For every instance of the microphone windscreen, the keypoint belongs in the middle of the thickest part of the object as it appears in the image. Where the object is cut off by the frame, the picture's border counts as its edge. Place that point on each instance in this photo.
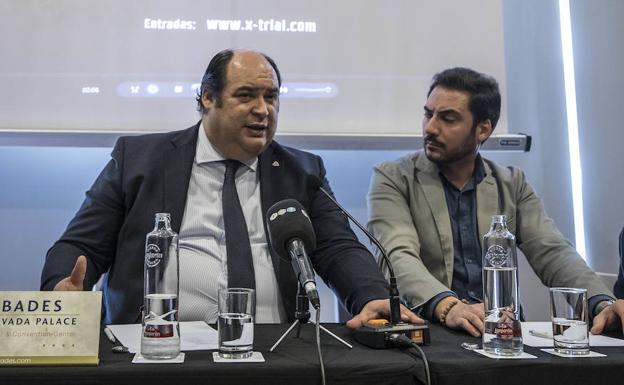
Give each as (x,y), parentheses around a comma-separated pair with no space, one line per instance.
(287,219)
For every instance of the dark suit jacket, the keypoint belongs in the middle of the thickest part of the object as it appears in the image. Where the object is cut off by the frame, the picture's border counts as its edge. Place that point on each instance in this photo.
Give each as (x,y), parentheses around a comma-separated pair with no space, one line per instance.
(618,288)
(149,174)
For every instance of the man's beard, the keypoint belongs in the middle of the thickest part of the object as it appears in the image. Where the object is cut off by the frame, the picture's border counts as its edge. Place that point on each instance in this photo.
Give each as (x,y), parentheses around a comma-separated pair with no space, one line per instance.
(467,148)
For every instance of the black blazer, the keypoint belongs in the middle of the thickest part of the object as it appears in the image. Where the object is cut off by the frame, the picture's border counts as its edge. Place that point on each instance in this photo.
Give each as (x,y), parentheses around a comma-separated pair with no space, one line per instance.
(149,174)
(618,288)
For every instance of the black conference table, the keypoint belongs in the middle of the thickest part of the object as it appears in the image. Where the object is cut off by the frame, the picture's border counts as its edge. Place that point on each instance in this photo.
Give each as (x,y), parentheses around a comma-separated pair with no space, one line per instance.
(295,362)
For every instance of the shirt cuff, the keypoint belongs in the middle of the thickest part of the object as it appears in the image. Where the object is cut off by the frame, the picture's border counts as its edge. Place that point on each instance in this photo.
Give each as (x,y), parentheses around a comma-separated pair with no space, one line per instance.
(594,301)
(428,310)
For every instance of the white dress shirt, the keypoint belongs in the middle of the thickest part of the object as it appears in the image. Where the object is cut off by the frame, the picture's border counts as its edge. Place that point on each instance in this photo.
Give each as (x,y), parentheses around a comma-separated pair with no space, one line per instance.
(203,257)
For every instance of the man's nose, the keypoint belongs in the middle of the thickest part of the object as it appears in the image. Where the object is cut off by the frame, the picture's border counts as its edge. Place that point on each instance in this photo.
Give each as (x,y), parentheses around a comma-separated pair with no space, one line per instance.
(260,107)
(430,126)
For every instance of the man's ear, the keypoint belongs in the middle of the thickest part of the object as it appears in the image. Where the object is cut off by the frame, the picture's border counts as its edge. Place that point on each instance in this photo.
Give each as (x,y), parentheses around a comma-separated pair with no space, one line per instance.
(206,101)
(484,130)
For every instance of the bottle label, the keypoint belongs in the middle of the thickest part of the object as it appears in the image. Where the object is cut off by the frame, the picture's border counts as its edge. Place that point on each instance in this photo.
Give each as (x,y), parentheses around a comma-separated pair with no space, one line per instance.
(158,331)
(496,255)
(153,256)
(504,330)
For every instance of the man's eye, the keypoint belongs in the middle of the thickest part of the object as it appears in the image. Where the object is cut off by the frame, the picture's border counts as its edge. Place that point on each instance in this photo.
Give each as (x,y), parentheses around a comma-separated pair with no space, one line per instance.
(245,97)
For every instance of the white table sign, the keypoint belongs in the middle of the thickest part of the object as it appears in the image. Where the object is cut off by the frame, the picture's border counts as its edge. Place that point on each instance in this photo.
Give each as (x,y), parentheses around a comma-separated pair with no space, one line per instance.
(49,328)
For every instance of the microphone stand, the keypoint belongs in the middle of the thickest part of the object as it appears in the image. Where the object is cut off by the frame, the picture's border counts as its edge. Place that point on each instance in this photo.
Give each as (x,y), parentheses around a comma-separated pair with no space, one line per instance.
(395,300)
(380,337)
(302,316)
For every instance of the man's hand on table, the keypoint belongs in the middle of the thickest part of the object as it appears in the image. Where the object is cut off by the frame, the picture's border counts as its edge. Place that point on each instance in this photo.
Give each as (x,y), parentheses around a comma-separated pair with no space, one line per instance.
(380,308)
(612,316)
(462,316)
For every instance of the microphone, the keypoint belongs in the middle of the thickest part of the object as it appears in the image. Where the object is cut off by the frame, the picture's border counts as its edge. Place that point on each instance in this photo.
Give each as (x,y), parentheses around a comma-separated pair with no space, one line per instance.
(378,334)
(291,234)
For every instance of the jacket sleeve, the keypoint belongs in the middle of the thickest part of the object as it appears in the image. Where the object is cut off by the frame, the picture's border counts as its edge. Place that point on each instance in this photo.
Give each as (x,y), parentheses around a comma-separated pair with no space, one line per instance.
(340,259)
(390,220)
(93,230)
(549,253)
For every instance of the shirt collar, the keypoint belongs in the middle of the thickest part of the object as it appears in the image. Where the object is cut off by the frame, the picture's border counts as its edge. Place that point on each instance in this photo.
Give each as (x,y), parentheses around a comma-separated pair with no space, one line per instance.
(205,152)
(478,175)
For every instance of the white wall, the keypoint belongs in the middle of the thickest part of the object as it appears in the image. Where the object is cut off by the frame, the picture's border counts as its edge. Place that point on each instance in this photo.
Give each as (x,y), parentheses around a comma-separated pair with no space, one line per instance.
(598,32)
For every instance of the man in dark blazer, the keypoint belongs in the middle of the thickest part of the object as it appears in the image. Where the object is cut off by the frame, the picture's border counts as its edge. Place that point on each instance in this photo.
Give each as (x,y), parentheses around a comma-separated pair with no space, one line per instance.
(147,174)
(618,288)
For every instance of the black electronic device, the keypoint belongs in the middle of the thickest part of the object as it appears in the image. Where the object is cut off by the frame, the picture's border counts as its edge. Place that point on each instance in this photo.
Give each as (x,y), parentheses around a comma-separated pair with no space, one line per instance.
(384,335)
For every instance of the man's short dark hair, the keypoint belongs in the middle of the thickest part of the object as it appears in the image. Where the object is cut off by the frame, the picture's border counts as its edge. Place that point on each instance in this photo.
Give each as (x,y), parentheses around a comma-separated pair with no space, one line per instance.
(215,77)
(484,96)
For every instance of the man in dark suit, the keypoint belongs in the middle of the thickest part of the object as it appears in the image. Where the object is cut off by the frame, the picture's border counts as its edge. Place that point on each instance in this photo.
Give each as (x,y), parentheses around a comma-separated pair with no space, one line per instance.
(182,173)
(618,288)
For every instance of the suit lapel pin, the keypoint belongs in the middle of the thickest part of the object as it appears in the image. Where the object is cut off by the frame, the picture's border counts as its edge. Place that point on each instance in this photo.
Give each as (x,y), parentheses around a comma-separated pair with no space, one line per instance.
(275,163)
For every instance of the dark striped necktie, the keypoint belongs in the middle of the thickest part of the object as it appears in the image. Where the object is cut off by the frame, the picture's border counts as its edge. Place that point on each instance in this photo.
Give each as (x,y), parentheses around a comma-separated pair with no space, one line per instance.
(239,259)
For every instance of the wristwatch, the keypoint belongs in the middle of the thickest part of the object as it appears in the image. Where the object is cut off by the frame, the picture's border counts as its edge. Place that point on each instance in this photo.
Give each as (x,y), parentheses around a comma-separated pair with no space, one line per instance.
(602,305)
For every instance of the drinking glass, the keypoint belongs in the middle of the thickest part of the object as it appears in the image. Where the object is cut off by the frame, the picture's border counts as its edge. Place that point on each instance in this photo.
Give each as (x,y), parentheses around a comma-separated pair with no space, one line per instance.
(568,307)
(236,322)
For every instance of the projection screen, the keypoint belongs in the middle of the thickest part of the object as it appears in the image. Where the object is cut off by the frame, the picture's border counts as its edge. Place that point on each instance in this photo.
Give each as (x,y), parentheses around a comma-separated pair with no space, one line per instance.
(350,68)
